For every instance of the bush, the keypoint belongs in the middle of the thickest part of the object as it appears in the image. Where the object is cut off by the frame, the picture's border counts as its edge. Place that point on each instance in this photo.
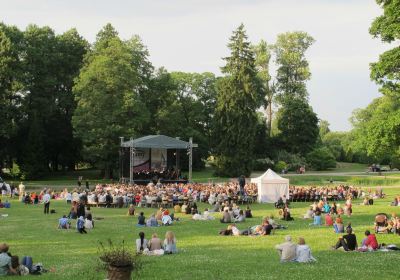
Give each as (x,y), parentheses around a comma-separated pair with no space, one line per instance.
(263,164)
(321,159)
(294,161)
(395,162)
(280,165)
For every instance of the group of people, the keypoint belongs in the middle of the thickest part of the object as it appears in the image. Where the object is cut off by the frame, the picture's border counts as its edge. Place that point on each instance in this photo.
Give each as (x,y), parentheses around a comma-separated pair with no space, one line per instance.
(314,193)
(10,264)
(291,252)
(155,246)
(162,217)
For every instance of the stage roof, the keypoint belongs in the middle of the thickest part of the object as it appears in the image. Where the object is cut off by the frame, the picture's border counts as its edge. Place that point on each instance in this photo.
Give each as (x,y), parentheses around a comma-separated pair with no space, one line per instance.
(157,141)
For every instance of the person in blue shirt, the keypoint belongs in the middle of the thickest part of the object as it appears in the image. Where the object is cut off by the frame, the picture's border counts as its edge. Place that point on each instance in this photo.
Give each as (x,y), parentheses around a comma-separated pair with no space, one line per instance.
(63,223)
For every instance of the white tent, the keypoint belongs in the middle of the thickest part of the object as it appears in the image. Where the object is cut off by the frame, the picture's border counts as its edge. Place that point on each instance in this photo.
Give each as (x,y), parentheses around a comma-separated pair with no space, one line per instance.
(271,186)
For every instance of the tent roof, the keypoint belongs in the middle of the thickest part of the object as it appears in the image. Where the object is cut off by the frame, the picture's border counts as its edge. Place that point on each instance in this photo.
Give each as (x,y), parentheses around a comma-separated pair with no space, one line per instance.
(270,177)
(157,141)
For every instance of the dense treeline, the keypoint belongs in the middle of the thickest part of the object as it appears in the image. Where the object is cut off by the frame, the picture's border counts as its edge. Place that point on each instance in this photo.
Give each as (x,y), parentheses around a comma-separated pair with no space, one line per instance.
(64,101)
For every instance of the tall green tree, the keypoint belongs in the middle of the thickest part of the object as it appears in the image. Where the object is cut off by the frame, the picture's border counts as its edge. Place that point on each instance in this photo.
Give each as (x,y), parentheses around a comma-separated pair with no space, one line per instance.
(108,102)
(293,69)
(11,41)
(386,71)
(263,56)
(298,126)
(238,98)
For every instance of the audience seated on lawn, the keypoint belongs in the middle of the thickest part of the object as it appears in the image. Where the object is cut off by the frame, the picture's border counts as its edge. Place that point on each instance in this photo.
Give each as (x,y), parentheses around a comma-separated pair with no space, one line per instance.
(369,243)
(303,252)
(328,220)
(338,225)
(141,243)
(170,243)
(64,223)
(141,220)
(226,217)
(348,241)
(155,245)
(317,219)
(286,250)
(152,221)
(5,261)
(309,214)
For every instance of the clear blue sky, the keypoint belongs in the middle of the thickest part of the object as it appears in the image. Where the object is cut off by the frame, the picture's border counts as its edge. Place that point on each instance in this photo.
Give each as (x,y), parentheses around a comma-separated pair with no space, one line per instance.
(191,35)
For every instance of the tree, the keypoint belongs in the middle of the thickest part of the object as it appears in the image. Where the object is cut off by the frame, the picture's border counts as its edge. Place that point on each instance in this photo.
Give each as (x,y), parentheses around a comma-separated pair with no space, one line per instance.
(386,72)
(108,103)
(238,97)
(321,159)
(11,40)
(293,70)
(323,128)
(298,126)
(262,59)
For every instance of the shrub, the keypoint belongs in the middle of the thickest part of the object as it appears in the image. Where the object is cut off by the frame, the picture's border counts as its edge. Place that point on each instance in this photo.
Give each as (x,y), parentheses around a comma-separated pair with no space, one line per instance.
(280,165)
(321,159)
(294,161)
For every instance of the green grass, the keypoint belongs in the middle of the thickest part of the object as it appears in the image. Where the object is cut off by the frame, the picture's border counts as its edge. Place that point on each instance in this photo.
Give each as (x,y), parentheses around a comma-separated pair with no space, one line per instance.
(321,180)
(203,253)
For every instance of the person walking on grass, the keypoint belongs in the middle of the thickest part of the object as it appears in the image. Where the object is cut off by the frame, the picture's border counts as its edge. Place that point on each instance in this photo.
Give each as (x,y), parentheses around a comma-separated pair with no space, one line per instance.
(80,225)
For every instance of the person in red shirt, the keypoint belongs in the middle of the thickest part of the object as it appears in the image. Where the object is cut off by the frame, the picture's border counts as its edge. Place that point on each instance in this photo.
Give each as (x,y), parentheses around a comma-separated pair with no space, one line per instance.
(370,241)
(328,220)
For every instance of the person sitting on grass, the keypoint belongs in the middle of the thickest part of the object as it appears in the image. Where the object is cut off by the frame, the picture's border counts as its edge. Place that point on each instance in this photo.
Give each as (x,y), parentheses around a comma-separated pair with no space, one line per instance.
(369,243)
(141,220)
(338,225)
(328,220)
(5,261)
(155,246)
(166,220)
(141,243)
(170,243)
(64,223)
(303,252)
(286,250)
(131,210)
(347,241)
(20,269)
(80,225)
(226,218)
(239,218)
(317,219)
(309,214)
(248,213)
(286,213)
(152,221)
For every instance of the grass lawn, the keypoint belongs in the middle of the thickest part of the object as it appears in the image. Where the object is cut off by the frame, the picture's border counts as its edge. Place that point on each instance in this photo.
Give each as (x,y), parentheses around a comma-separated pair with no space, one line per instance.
(203,253)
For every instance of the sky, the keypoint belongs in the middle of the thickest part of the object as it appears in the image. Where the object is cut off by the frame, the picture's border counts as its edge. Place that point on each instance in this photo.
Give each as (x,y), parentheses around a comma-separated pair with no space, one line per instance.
(192,36)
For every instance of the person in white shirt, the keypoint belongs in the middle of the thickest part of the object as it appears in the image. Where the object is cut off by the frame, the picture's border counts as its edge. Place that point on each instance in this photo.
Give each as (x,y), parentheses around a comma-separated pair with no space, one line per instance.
(46,202)
(68,197)
(21,191)
(303,252)
(166,220)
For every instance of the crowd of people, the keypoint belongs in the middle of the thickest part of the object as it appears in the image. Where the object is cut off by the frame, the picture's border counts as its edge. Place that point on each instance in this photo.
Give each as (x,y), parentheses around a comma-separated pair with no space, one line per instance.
(230,200)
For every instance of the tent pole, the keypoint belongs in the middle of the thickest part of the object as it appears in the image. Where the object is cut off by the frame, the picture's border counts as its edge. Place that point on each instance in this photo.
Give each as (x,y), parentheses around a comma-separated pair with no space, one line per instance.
(131,162)
(190,158)
(121,159)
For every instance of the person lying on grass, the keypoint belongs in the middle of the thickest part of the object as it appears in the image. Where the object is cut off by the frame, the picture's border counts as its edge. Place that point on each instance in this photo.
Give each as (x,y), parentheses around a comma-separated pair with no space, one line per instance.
(348,241)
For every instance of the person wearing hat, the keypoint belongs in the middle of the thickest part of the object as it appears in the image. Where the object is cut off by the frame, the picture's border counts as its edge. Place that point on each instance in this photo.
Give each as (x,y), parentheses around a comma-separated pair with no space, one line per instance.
(287,250)
(5,261)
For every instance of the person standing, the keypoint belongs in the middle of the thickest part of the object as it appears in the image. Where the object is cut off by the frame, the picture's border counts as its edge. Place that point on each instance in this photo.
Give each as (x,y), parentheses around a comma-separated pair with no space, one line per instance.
(46,202)
(242,183)
(21,188)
